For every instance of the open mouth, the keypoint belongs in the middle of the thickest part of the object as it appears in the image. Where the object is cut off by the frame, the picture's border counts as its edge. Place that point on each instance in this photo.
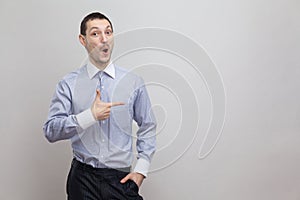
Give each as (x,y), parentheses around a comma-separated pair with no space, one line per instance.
(105,49)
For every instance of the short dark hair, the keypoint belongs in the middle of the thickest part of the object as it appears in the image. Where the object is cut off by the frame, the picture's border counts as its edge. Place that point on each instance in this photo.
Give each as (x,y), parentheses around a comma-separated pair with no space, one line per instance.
(92,16)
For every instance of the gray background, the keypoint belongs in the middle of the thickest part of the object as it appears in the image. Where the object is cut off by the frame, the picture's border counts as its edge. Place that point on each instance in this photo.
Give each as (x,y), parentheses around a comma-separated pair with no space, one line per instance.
(255,45)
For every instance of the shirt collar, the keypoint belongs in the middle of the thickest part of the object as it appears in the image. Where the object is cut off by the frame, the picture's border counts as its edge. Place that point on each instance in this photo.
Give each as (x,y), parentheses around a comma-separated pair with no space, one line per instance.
(93,70)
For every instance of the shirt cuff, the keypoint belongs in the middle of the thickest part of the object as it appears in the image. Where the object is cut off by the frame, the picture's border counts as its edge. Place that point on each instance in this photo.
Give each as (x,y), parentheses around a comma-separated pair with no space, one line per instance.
(142,166)
(85,119)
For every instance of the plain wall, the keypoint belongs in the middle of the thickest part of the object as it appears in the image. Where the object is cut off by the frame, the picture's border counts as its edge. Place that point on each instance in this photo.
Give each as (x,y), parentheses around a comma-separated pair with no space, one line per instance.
(255,47)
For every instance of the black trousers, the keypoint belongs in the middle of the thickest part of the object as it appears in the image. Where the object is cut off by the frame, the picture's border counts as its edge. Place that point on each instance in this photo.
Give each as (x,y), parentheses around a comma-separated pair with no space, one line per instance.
(87,183)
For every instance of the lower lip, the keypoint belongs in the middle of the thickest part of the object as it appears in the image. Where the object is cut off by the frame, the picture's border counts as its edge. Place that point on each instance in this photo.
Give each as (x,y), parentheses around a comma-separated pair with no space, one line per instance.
(105,53)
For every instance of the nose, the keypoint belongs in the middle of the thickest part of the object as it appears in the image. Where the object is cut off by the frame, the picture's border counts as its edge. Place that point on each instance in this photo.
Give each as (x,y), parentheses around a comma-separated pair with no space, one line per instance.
(104,38)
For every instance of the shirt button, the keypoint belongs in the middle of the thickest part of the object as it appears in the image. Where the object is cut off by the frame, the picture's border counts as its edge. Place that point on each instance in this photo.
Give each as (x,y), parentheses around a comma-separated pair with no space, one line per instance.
(102,156)
(102,86)
(103,140)
(103,122)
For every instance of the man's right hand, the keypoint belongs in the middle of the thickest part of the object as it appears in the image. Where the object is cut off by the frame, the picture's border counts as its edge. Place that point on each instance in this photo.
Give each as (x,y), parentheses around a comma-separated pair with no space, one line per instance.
(100,109)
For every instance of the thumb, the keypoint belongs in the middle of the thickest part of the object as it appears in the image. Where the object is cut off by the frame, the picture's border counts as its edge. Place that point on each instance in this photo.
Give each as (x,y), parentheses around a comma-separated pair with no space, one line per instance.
(125,179)
(98,95)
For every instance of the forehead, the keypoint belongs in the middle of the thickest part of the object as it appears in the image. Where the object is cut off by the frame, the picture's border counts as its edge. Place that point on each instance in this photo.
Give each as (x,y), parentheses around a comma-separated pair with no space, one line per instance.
(101,24)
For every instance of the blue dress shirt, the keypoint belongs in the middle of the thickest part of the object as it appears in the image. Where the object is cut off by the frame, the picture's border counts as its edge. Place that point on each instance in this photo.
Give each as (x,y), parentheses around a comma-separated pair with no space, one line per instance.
(106,143)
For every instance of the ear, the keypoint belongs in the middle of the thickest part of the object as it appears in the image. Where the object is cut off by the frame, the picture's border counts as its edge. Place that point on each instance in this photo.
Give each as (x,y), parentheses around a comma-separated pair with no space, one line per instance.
(82,40)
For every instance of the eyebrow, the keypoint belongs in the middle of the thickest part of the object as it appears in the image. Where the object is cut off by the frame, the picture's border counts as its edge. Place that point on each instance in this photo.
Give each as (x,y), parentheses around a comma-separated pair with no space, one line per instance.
(94,27)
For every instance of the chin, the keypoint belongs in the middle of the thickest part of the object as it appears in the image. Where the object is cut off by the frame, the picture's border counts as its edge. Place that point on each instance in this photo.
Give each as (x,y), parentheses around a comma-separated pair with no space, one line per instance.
(105,60)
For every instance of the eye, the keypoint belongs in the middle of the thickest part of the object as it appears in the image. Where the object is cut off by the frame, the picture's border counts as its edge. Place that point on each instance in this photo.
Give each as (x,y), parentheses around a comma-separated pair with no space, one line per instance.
(108,32)
(95,34)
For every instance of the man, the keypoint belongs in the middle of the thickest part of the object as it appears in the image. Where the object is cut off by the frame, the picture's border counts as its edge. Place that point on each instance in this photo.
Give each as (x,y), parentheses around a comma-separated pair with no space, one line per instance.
(94,107)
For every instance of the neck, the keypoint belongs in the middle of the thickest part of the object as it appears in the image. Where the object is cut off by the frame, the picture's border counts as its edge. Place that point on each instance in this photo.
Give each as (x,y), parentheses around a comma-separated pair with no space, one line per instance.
(101,66)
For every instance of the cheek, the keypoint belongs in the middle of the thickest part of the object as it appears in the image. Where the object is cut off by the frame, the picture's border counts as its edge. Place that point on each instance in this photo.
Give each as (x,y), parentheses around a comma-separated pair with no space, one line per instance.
(111,42)
(91,45)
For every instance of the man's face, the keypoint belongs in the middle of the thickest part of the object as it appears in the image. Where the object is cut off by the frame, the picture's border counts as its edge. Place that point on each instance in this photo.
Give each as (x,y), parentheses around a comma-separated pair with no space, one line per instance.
(98,41)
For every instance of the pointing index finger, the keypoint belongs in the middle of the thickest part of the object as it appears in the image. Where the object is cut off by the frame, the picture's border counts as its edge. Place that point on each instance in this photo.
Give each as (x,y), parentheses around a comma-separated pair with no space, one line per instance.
(112,104)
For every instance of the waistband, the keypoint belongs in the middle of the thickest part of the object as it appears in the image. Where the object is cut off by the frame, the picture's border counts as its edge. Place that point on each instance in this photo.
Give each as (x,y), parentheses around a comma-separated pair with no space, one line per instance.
(79,165)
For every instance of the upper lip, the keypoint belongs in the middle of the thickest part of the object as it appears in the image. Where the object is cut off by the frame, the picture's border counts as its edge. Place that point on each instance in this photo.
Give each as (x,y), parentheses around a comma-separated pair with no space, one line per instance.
(106,47)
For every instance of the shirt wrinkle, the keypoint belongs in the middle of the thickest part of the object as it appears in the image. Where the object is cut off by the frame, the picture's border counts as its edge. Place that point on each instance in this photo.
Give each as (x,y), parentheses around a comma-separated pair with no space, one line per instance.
(107,143)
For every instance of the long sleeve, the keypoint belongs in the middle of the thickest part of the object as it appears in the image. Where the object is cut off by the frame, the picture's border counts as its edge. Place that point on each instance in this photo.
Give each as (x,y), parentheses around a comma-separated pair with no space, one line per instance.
(146,140)
(107,143)
(61,123)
